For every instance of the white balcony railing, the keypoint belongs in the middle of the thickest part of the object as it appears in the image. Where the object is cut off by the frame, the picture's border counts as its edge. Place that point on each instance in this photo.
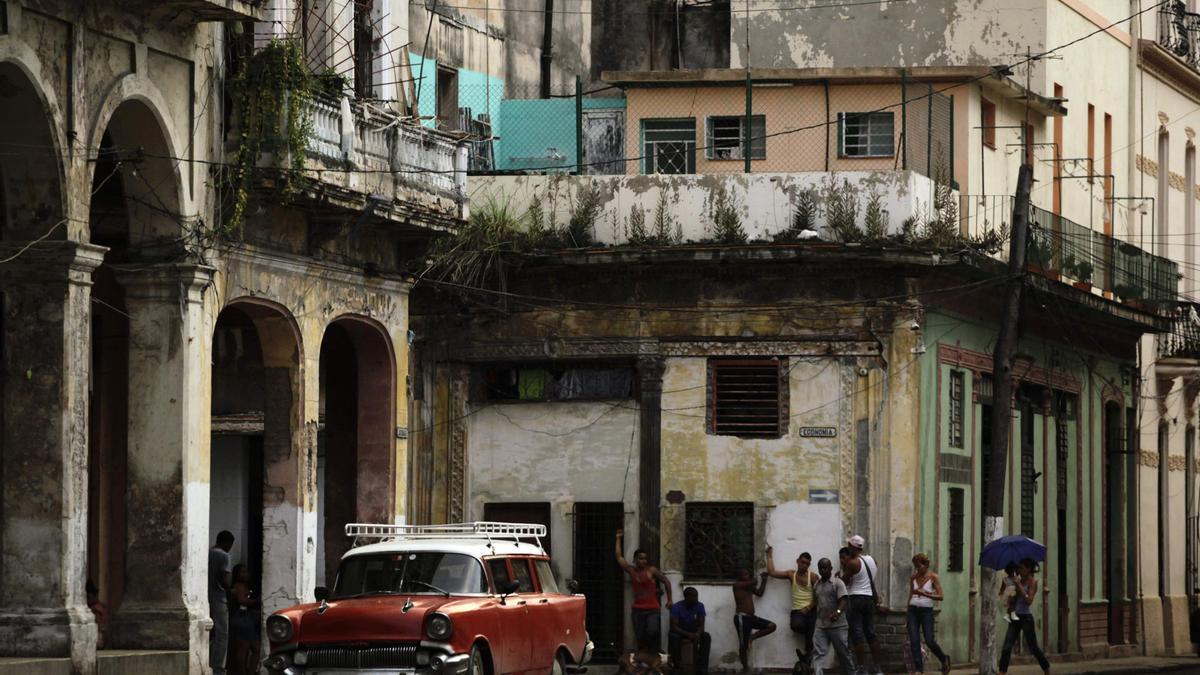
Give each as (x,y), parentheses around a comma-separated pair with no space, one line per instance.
(375,148)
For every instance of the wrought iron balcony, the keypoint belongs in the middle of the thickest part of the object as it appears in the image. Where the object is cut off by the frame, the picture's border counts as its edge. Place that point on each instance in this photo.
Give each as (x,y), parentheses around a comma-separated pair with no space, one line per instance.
(1183,340)
(1179,31)
(1063,250)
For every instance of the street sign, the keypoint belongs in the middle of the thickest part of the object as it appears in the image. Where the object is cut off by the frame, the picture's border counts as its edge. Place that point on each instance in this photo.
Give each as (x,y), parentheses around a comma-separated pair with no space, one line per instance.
(818,432)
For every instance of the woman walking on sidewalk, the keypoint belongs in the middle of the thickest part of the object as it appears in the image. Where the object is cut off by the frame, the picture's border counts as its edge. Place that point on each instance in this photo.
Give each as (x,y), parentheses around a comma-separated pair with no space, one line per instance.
(925,589)
(1027,586)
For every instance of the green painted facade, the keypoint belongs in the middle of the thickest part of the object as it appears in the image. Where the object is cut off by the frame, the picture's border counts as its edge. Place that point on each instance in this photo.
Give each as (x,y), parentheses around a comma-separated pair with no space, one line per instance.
(1058,433)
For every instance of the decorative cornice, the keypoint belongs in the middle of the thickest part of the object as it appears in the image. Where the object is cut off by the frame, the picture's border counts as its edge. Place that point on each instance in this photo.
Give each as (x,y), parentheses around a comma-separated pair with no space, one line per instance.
(1148,459)
(554,347)
(1176,463)
(1023,370)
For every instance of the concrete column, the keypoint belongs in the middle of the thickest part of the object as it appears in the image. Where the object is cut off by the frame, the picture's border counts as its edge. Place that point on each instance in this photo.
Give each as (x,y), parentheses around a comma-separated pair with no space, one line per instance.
(44,363)
(168,468)
(650,370)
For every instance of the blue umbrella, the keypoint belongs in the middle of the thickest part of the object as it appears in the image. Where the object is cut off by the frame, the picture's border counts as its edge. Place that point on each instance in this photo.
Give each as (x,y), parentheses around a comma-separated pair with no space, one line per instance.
(1011,549)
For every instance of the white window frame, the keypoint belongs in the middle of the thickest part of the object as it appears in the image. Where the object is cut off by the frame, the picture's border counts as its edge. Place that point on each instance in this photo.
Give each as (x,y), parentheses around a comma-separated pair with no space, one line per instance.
(877,125)
(757,138)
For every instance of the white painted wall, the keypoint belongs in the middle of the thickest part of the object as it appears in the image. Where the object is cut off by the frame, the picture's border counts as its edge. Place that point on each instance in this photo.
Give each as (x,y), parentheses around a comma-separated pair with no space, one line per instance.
(229,507)
(775,474)
(764,201)
(560,452)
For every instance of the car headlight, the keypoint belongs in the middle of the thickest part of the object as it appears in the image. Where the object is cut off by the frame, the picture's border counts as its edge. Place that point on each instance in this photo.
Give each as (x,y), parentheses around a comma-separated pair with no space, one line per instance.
(279,628)
(439,626)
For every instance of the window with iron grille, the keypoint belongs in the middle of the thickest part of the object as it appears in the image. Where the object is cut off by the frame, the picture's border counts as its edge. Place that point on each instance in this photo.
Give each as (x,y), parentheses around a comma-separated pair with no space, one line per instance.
(1065,406)
(669,146)
(957,392)
(866,134)
(957,521)
(725,137)
(747,397)
(719,540)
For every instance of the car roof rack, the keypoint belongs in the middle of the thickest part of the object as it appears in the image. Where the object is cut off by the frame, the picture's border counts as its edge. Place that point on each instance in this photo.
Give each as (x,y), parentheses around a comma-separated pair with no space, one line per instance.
(483,530)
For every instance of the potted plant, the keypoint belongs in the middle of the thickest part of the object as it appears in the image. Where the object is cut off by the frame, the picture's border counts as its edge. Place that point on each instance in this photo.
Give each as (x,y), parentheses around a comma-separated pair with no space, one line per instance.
(1038,258)
(1130,294)
(1083,275)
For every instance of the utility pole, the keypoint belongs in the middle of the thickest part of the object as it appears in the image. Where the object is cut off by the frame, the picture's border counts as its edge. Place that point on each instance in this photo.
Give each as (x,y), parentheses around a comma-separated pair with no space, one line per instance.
(1002,390)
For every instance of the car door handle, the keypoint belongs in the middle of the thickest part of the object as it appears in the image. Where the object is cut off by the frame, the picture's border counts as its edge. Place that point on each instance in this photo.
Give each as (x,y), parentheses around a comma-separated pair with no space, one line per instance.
(543,601)
(520,602)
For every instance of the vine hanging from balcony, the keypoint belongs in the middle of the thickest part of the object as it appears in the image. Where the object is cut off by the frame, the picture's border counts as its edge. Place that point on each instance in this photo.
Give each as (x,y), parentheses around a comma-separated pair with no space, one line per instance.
(272,91)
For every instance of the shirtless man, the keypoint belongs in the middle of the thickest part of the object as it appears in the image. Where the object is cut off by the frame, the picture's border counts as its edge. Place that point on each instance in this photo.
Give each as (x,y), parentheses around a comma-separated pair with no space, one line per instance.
(749,627)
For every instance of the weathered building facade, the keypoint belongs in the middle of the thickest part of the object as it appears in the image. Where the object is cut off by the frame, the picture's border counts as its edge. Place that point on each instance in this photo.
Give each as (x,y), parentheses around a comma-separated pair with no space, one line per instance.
(169,369)
(594,405)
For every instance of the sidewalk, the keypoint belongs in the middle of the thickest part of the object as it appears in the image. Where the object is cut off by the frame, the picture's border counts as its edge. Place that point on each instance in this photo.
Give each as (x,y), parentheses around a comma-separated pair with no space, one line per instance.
(1137,664)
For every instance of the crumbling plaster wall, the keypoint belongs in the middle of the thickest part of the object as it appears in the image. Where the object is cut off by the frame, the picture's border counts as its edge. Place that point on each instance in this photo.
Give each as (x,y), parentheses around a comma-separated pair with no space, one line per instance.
(777,475)
(925,33)
(764,202)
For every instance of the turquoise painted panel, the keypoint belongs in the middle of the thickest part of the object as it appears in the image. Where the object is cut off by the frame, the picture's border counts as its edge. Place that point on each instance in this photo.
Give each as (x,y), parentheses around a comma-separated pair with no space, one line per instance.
(540,133)
(424,71)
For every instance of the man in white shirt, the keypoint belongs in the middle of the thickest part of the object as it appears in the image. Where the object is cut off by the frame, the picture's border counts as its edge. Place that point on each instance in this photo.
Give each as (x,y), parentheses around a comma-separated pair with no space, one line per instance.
(859,570)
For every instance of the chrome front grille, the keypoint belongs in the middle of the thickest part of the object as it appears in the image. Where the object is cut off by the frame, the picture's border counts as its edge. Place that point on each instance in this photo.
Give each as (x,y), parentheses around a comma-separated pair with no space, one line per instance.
(390,656)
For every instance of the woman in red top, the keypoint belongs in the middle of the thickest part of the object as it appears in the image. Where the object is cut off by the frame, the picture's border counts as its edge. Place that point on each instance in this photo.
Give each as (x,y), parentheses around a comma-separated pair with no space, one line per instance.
(645,610)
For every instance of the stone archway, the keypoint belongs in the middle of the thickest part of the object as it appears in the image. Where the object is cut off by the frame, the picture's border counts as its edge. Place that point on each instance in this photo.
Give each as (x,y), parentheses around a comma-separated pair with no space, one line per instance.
(356,445)
(260,465)
(146,302)
(44,304)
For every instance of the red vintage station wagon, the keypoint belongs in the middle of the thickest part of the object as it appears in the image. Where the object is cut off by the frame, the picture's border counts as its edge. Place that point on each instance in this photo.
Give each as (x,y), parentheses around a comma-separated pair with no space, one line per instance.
(474,598)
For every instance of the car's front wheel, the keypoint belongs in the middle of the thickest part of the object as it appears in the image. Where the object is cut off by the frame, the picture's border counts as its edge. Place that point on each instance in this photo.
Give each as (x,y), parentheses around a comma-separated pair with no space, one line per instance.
(559,667)
(478,661)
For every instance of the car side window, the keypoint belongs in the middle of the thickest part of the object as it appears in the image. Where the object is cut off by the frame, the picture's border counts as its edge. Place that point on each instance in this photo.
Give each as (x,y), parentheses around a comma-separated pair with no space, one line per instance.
(499,568)
(546,576)
(522,574)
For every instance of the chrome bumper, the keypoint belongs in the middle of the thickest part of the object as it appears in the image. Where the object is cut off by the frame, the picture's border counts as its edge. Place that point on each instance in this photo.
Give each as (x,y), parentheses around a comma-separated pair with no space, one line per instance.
(285,664)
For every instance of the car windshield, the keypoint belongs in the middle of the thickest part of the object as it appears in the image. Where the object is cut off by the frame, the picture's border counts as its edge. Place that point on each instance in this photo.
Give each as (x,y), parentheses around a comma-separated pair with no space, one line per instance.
(424,573)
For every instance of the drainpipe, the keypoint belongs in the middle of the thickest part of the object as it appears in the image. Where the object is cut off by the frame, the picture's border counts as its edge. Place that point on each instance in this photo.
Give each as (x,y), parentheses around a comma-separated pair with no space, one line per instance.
(547,46)
(1135,125)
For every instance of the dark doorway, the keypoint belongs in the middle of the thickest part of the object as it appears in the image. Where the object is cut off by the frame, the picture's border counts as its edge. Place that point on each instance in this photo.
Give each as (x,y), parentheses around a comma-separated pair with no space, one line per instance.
(1113,522)
(521,512)
(447,98)
(599,576)
(1065,406)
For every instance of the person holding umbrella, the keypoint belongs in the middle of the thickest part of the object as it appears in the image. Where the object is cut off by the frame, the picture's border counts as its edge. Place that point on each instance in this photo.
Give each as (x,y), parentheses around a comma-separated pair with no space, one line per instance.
(1027,587)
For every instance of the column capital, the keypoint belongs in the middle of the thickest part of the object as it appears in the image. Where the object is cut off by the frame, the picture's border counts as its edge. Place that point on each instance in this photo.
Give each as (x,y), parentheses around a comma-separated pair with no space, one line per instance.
(49,261)
(164,281)
(650,370)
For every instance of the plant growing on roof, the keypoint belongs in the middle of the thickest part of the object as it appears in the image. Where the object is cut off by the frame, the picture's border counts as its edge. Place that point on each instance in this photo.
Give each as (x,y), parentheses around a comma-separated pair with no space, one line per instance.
(876,219)
(580,228)
(666,228)
(636,226)
(272,91)
(727,224)
(942,230)
(841,211)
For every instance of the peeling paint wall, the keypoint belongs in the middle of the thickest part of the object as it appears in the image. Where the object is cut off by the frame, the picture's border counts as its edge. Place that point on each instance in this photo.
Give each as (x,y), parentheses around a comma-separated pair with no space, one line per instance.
(561,453)
(777,475)
(764,202)
(935,32)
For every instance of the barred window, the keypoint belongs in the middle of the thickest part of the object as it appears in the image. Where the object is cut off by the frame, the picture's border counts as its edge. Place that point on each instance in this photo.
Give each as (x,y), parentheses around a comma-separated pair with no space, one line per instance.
(957,520)
(719,540)
(866,134)
(726,137)
(957,392)
(746,398)
(669,146)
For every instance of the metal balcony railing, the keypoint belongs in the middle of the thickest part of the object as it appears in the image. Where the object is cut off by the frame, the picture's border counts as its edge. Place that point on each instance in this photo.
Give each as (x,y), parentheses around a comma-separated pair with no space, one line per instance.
(1183,340)
(1061,249)
(1179,31)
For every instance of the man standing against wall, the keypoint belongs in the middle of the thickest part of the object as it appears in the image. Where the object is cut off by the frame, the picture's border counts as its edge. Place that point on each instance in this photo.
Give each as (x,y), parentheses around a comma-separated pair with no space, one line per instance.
(749,626)
(859,572)
(646,612)
(220,578)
